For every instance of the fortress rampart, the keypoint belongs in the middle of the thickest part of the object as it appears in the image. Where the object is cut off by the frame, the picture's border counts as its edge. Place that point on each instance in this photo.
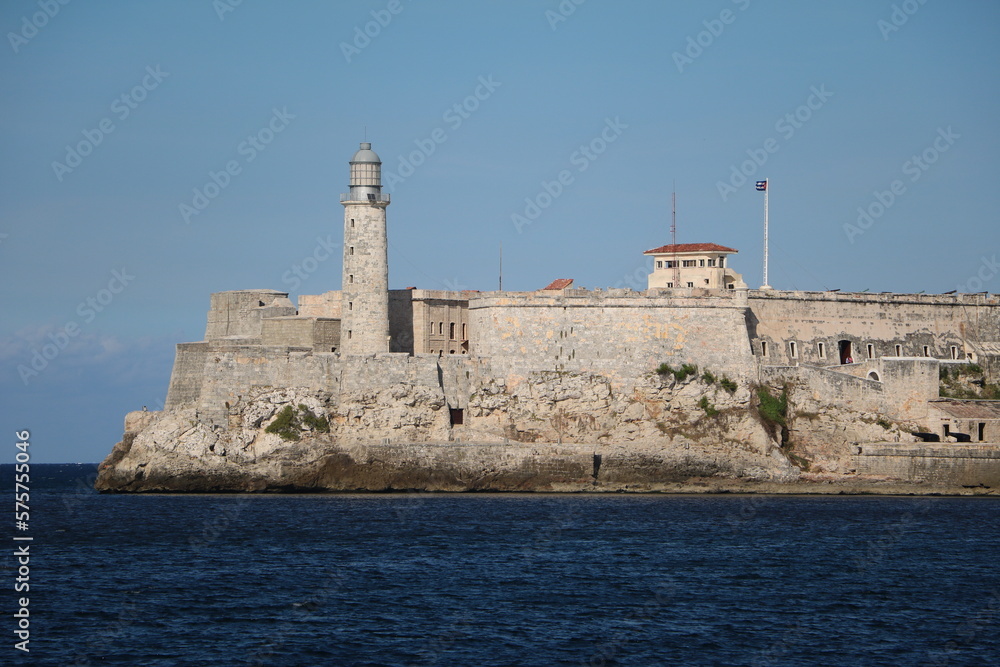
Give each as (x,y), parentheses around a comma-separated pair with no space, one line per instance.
(808,327)
(616,333)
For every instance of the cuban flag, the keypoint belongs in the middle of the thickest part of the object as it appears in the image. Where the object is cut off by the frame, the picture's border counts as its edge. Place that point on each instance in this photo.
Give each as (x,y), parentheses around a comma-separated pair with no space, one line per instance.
(761,186)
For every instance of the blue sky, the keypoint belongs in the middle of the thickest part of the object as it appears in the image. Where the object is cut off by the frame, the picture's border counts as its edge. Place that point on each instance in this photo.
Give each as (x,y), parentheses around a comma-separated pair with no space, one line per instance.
(115,113)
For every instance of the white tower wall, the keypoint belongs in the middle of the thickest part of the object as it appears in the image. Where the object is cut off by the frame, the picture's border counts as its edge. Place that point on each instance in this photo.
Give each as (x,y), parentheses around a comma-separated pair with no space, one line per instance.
(365,287)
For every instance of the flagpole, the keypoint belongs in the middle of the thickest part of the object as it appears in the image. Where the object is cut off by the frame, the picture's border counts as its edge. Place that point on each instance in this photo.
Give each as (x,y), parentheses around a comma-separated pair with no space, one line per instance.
(767,188)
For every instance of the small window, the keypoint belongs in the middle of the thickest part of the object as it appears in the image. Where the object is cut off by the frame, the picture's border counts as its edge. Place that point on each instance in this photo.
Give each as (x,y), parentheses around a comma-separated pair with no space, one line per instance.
(722,262)
(701,262)
(350,305)
(659,264)
(350,278)
(465,331)
(871,351)
(822,350)
(690,284)
(349,334)
(689,263)
(352,223)
(706,281)
(451,333)
(670,284)
(432,331)
(457,416)
(927,351)
(350,250)
(763,348)
(954,352)
(711,262)
(440,328)
(899,350)
(793,349)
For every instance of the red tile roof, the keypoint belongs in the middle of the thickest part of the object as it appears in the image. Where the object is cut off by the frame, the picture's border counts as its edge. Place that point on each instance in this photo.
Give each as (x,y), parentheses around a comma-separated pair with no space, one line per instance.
(689,247)
(559,283)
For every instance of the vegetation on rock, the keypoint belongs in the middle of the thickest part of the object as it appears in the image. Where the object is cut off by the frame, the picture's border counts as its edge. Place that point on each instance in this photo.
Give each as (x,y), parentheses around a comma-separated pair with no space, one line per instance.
(967,381)
(773,409)
(680,374)
(289,423)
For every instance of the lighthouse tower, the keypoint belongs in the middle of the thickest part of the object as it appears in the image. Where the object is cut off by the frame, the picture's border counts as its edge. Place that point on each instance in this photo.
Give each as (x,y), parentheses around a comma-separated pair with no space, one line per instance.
(364,323)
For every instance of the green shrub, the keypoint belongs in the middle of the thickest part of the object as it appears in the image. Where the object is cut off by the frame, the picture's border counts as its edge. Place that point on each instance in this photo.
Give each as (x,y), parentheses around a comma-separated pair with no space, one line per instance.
(773,409)
(290,422)
(285,424)
(707,407)
(708,378)
(685,371)
(884,423)
(728,385)
(680,374)
(320,424)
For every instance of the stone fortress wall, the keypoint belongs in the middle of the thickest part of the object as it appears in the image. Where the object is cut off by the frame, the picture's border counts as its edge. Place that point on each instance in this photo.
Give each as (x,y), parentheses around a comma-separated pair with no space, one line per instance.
(807,327)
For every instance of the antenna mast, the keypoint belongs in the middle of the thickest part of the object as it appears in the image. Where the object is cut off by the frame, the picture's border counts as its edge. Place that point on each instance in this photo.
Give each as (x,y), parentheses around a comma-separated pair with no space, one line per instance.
(673,236)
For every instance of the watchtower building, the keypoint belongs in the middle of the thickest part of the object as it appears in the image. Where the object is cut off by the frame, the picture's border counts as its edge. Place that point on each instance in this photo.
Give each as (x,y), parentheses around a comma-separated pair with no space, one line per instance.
(365,288)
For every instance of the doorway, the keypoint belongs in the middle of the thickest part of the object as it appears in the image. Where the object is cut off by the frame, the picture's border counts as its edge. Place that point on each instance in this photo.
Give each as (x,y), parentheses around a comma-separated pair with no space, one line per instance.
(845,352)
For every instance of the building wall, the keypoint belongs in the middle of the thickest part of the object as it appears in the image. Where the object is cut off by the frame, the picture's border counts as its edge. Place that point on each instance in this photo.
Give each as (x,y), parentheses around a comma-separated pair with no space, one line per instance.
(968,465)
(702,277)
(618,333)
(913,322)
(365,286)
(317,334)
(239,313)
(321,305)
(412,314)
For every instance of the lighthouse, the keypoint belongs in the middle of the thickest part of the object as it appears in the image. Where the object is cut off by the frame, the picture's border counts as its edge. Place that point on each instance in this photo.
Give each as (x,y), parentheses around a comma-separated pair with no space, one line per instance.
(364,323)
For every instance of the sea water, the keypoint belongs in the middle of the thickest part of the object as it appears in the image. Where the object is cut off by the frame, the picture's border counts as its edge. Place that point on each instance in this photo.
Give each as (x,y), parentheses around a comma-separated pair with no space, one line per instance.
(495,579)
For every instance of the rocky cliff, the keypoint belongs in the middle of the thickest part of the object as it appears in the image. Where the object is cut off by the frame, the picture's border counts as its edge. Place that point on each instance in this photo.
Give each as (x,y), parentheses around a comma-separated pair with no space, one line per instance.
(545,431)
